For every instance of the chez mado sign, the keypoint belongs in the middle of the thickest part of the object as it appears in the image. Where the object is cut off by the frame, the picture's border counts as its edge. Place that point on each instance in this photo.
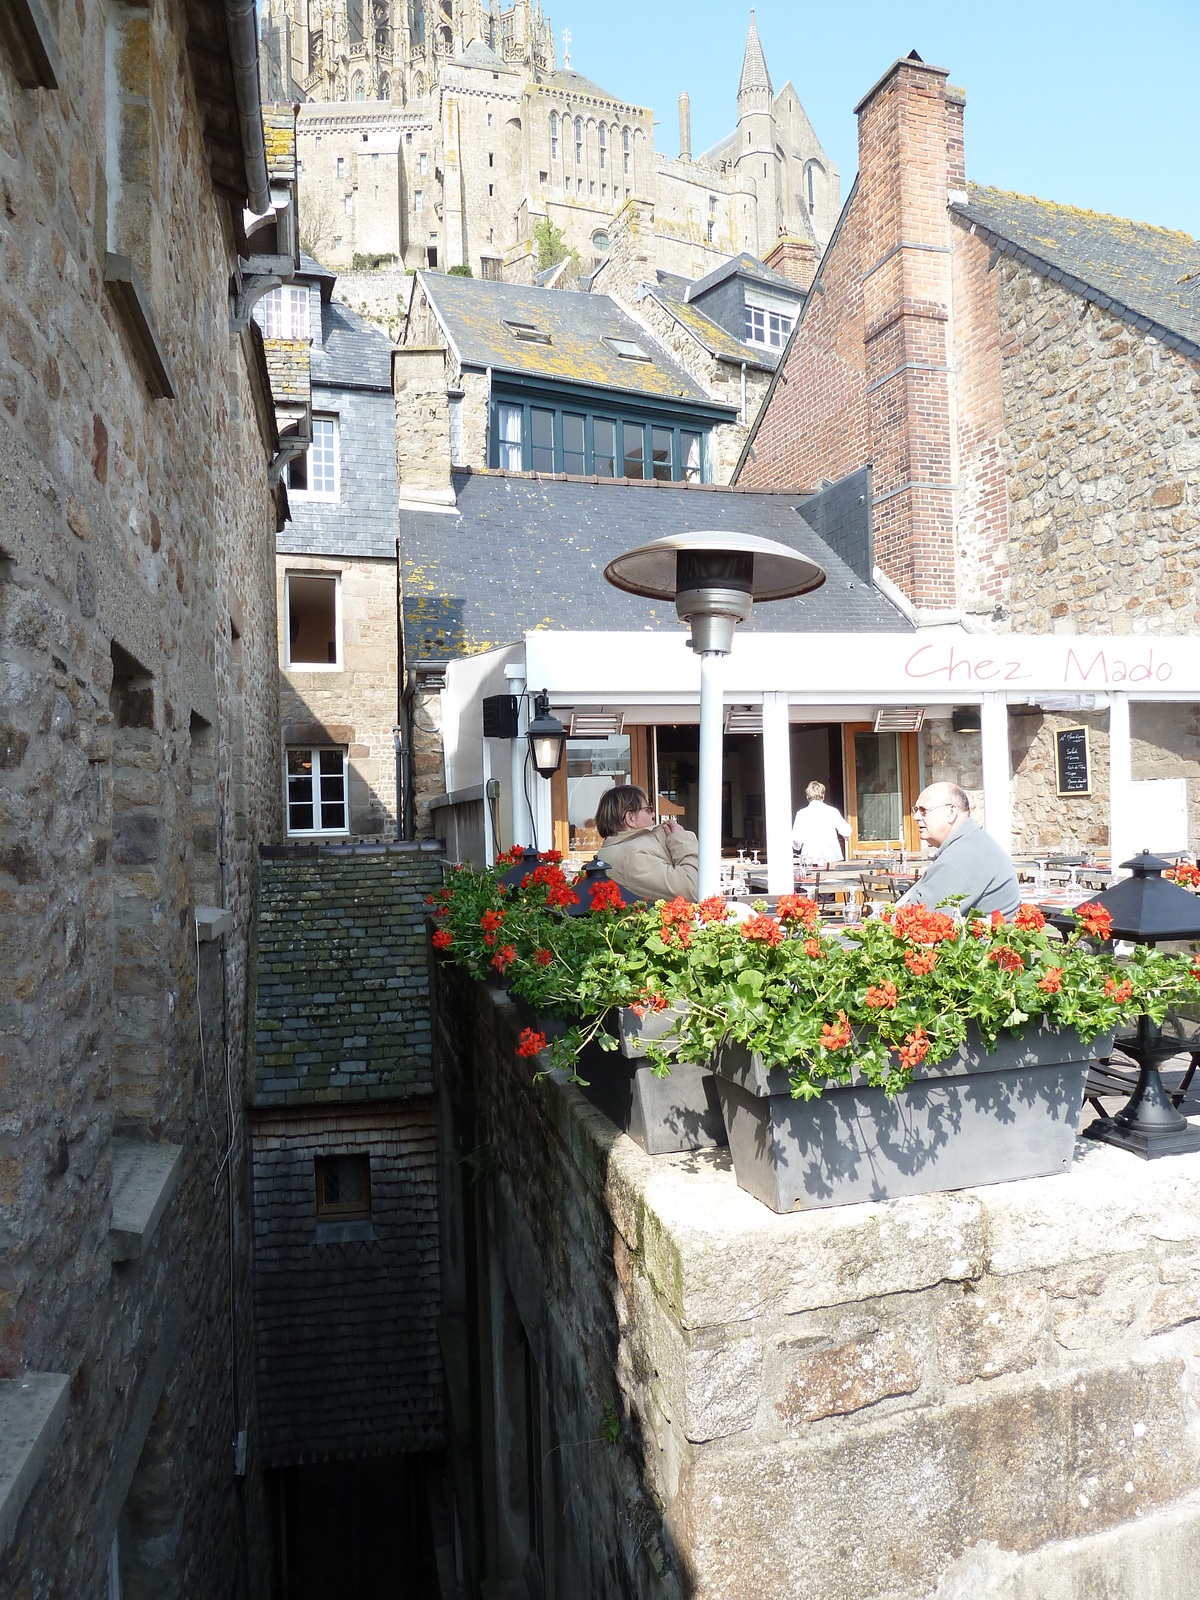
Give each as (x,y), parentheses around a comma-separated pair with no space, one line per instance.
(934,665)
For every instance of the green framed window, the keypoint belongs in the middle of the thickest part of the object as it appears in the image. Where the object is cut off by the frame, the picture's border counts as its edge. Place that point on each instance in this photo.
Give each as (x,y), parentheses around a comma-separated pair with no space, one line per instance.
(528,435)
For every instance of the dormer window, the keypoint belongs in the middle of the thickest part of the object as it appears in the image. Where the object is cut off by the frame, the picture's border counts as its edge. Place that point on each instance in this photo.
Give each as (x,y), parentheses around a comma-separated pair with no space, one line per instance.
(628,350)
(527,332)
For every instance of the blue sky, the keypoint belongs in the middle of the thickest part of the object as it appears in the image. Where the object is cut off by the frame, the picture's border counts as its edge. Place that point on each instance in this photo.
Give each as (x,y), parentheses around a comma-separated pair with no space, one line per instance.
(1094,105)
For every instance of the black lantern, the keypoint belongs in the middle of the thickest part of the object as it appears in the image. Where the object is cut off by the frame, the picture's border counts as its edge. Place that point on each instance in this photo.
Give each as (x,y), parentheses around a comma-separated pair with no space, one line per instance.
(1146,908)
(515,876)
(547,737)
(595,872)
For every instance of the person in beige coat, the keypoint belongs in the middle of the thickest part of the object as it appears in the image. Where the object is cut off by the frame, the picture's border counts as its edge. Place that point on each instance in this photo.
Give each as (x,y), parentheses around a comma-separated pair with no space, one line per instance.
(654,861)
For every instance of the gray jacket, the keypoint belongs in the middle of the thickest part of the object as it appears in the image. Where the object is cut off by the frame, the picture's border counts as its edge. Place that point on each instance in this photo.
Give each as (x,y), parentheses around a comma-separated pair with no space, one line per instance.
(972,864)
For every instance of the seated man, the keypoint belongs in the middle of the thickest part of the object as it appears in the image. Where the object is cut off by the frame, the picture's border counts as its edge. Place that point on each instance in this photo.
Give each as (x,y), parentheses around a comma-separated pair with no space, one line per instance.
(969,862)
(652,861)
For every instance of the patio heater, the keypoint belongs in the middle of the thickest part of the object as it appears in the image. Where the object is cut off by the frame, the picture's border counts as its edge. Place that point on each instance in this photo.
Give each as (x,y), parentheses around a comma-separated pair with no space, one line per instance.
(1146,908)
(714,578)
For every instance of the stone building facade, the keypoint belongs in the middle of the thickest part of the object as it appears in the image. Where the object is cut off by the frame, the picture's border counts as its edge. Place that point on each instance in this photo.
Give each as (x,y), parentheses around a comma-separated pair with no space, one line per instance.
(444,144)
(1024,378)
(137,620)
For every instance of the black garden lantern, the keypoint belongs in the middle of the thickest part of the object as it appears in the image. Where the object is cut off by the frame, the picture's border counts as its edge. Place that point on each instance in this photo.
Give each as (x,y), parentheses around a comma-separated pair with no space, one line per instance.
(516,875)
(547,737)
(1146,908)
(595,872)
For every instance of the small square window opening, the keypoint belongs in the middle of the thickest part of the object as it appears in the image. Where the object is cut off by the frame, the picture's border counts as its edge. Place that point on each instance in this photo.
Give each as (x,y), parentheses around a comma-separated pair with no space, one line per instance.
(316,791)
(343,1187)
(312,607)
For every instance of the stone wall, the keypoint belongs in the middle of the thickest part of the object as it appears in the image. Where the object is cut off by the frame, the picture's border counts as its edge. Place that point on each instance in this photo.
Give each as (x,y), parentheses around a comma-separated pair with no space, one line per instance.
(357,705)
(139,719)
(1101,448)
(381,297)
(984,1392)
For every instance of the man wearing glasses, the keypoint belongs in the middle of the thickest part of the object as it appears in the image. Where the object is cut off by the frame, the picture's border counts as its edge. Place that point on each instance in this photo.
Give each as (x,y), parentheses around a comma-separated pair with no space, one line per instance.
(969,863)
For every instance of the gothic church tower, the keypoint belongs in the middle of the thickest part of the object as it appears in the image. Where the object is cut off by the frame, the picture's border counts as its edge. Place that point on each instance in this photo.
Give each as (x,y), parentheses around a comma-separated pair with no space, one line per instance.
(755,163)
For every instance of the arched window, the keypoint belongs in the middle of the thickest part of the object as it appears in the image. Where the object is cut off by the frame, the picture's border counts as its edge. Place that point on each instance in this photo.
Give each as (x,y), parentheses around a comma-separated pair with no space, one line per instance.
(813,174)
(358,89)
(385,87)
(625,146)
(554,136)
(603,147)
(418,85)
(578,141)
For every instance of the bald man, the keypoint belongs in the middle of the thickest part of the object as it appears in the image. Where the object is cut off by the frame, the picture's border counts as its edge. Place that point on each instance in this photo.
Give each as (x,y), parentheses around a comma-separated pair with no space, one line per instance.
(968,863)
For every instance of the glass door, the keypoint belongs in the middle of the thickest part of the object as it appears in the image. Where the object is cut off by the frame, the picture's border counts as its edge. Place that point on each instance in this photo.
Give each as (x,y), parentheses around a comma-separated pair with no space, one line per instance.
(881,789)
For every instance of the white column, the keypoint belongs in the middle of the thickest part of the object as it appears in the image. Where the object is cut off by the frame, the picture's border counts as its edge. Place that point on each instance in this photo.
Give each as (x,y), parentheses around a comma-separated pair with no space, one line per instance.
(997,769)
(777,784)
(1121,820)
(518,749)
(712,736)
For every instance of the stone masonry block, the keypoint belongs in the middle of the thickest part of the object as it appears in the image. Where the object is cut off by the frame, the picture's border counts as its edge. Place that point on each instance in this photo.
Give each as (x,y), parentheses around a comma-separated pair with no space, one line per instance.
(835,1382)
(981,1335)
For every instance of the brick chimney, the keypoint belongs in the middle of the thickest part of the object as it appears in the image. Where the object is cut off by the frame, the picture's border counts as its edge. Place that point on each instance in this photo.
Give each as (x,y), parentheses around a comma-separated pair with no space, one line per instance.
(910,150)
(793,258)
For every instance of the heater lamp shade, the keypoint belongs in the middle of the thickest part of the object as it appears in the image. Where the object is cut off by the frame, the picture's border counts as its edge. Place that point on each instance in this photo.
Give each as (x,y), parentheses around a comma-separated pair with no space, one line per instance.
(1146,907)
(773,571)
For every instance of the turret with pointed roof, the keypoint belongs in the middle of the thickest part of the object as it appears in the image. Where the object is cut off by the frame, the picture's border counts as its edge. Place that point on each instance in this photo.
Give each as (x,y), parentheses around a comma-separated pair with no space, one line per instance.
(754,86)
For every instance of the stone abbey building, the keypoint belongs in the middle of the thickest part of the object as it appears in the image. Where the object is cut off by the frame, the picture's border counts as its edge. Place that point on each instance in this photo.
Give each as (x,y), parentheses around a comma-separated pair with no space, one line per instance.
(442,138)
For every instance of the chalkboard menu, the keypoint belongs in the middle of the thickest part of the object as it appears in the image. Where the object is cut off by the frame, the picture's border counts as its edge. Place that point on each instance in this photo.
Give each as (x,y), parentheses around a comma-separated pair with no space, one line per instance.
(1072,762)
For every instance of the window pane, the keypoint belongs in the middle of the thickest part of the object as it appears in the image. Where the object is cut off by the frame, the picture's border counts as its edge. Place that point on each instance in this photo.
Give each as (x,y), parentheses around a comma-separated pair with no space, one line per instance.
(298,473)
(593,765)
(634,438)
(510,437)
(333,791)
(661,443)
(312,620)
(321,457)
(756,325)
(689,449)
(604,454)
(542,427)
(300,795)
(574,458)
(877,784)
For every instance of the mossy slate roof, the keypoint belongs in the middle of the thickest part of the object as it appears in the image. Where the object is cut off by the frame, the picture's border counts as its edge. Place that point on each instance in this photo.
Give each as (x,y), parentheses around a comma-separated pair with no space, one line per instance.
(524,553)
(342,1010)
(1148,276)
(474,310)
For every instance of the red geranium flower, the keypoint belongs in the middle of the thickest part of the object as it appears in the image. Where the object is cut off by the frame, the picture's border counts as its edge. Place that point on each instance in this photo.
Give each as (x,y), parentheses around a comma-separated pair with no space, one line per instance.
(997,919)
(606,896)
(1184,874)
(713,909)
(798,908)
(442,939)
(1007,959)
(561,895)
(915,1048)
(552,856)
(762,930)
(1029,917)
(1095,920)
(649,1000)
(491,920)
(836,1035)
(675,921)
(812,947)
(490,939)
(921,962)
(1052,982)
(881,996)
(504,957)
(979,928)
(1120,992)
(923,926)
(531,1042)
(543,957)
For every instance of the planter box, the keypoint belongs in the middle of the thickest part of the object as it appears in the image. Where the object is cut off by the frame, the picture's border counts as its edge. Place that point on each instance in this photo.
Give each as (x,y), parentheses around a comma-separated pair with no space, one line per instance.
(662,1115)
(975,1119)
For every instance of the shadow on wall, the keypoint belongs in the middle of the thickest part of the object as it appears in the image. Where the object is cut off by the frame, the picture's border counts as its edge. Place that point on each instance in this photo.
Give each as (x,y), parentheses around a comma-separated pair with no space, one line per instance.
(339,776)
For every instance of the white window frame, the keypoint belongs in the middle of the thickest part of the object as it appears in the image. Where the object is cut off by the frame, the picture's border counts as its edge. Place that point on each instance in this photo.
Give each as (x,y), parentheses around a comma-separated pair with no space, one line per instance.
(505,413)
(285,312)
(778,319)
(323,495)
(315,751)
(312,666)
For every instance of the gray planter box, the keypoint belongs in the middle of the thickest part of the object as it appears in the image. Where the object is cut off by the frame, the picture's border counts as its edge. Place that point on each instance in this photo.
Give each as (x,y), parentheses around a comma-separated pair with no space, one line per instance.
(663,1115)
(975,1119)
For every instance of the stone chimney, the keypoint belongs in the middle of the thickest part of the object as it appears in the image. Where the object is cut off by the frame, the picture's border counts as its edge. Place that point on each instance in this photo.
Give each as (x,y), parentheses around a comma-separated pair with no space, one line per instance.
(910,160)
(422,424)
(685,127)
(630,258)
(793,258)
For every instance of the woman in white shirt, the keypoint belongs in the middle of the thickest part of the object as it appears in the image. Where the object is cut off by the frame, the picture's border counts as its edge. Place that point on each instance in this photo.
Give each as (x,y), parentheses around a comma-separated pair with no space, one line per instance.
(819,829)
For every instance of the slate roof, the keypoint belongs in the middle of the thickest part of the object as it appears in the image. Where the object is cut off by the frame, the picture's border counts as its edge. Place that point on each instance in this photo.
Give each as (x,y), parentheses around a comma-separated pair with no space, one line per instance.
(671,293)
(754,63)
(473,312)
(1145,275)
(523,554)
(478,54)
(571,82)
(745,266)
(354,354)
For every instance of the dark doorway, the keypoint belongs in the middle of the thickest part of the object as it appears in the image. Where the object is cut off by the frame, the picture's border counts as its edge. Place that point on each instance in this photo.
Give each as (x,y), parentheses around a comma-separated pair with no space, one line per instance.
(358,1528)
(816,749)
(743,812)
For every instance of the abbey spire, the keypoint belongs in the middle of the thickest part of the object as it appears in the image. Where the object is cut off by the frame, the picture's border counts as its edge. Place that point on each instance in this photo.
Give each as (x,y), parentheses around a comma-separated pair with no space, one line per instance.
(754,86)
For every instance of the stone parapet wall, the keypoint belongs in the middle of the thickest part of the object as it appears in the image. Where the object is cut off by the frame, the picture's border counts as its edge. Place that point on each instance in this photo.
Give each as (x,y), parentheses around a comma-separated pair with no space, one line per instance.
(1101,449)
(985,1392)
